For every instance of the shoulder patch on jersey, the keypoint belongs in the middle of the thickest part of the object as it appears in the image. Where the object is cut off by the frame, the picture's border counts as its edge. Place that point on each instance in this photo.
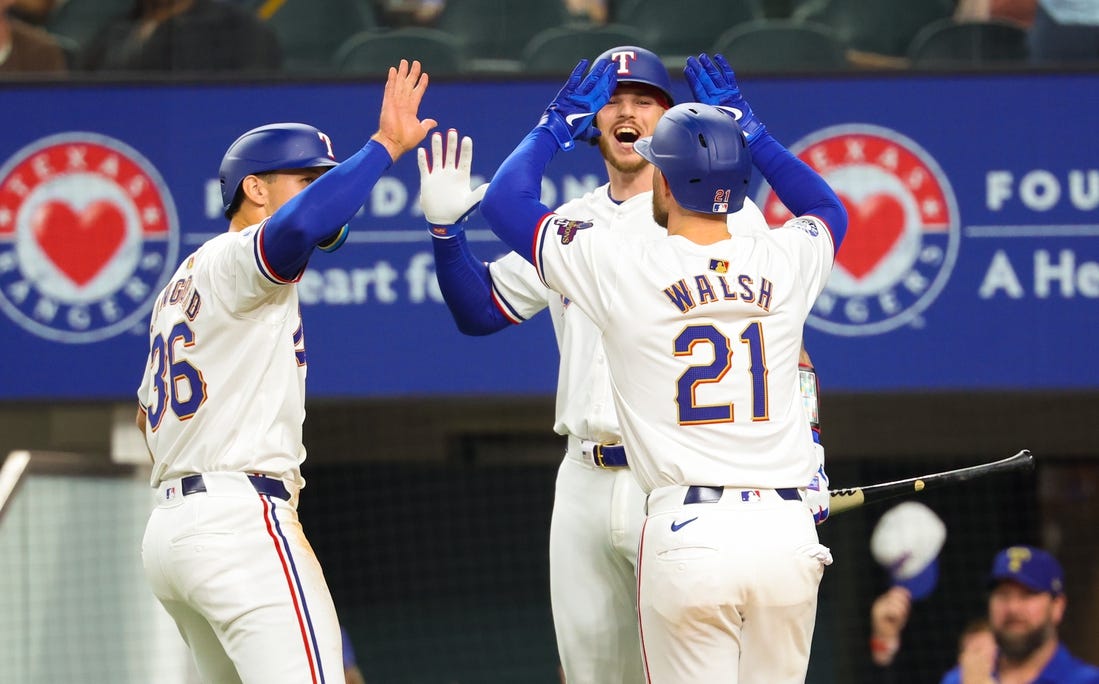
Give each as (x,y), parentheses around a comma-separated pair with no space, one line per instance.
(568,228)
(807,225)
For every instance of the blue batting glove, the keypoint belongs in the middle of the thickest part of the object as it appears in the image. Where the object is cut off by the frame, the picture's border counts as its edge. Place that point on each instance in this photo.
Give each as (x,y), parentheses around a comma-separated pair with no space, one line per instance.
(571,115)
(816,494)
(713,82)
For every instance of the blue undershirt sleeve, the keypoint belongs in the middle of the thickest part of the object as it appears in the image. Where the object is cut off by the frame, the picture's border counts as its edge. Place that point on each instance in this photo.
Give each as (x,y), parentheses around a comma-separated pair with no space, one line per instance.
(800,188)
(466,286)
(512,205)
(320,210)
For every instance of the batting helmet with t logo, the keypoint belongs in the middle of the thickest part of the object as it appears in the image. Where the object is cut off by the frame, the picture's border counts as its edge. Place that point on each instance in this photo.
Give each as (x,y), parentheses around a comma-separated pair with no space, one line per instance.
(702,154)
(638,65)
(274,147)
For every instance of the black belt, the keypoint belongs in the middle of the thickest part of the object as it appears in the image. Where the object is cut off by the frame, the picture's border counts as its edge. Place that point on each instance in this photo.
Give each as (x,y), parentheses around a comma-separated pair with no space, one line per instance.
(609,455)
(193,484)
(699,494)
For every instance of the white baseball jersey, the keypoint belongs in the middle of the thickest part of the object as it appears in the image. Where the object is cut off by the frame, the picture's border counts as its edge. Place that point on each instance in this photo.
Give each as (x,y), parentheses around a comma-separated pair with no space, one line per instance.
(224,386)
(585,408)
(224,401)
(702,344)
(597,513)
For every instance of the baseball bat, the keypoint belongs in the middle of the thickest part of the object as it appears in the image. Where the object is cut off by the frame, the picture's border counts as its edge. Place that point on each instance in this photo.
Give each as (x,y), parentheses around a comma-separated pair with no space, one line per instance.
(841,500)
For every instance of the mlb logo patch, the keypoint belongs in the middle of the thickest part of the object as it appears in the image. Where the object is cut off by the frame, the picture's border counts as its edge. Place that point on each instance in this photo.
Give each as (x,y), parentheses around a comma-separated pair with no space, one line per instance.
(721,208)
(719,265)
(169,493)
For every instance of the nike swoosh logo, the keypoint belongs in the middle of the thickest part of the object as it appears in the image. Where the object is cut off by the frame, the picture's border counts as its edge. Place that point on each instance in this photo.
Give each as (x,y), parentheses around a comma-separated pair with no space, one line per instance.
(571,118)
(737,114)
(679,526)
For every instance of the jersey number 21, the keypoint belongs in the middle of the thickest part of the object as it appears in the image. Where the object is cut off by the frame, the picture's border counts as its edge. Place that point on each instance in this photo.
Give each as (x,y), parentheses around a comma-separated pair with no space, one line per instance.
(690,412)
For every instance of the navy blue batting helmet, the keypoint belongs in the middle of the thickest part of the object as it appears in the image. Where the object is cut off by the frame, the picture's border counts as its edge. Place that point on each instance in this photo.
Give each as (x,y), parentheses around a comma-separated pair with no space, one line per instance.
(702,154)
(274,147)
(638,65)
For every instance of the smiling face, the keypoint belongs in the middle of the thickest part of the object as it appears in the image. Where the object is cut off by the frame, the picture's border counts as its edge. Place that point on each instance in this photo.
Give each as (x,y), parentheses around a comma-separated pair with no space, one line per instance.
(632,112)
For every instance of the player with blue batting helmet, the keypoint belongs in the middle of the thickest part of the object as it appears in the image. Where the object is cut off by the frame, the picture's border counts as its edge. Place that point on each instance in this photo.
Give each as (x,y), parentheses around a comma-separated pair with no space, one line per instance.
(274,147)
(702,154)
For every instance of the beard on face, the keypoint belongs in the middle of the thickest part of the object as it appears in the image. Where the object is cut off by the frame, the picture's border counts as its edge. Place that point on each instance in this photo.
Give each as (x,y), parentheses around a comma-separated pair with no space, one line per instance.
(660,212)
(632,165)
(1019,646)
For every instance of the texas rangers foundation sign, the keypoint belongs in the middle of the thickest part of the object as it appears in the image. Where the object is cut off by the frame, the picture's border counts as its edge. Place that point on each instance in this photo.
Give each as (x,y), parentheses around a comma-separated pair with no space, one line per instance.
(88,234)
(903,231)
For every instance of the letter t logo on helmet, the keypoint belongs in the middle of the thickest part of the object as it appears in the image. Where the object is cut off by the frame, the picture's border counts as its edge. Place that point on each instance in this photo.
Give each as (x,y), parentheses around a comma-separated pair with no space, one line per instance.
(638,65)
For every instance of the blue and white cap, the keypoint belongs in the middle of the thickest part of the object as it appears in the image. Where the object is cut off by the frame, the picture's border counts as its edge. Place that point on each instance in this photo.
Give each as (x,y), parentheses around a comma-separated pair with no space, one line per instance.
(906,542)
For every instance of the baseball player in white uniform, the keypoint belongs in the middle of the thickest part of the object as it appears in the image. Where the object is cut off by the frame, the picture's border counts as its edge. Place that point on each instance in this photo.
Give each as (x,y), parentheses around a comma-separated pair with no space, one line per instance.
(598,506)
(222,403)
(702,332)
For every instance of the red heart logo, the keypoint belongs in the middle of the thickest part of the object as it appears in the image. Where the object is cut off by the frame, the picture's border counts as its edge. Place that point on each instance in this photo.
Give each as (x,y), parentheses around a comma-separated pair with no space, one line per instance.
(79,244)
(873,227)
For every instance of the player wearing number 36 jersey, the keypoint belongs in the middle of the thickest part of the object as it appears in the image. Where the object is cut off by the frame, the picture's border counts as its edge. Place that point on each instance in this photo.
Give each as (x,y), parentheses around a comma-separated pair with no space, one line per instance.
(702,332)
(222,403)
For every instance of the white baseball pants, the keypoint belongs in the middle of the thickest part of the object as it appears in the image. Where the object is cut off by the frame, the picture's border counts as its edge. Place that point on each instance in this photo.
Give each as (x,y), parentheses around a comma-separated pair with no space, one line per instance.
(236,573)
(728,590)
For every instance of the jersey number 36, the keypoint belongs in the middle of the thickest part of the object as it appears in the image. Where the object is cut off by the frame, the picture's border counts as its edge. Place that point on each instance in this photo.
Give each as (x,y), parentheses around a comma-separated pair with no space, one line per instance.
(177,382)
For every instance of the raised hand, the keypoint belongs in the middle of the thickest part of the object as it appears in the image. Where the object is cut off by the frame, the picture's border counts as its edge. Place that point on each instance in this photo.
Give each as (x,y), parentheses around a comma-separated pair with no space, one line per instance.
(445,194)
(571,114)
(713,82)
(399,126)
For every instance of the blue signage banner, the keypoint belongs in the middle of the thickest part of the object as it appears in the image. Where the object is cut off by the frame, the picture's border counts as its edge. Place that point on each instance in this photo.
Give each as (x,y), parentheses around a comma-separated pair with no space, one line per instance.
(971,263)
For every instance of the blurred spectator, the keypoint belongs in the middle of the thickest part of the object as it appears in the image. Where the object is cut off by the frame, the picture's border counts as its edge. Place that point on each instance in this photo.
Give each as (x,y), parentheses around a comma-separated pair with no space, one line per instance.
(351,672)
(1020,12)
(25,48)
(1065,31)
(184,35)
(595,11)
(1025,609)
(888,616)
(34,11)
(409,12)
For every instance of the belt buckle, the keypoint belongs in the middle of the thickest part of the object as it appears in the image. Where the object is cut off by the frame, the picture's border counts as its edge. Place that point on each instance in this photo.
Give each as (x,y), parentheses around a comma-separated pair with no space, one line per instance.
(597,455)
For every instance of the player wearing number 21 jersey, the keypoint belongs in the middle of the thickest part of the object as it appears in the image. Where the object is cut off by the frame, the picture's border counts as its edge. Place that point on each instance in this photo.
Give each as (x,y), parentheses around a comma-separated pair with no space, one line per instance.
(222,403)
(702,332)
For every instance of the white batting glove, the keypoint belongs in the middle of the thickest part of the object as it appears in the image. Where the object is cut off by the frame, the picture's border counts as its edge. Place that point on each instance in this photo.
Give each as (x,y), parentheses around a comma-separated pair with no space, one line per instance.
(445,194)
(816,494)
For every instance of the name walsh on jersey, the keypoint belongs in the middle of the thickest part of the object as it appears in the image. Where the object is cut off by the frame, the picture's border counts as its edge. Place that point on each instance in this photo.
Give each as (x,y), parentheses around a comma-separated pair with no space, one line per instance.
(719,286)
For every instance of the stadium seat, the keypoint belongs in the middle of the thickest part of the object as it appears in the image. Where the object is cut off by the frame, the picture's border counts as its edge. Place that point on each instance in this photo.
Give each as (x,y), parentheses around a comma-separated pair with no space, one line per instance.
(781,45)
(557,50)
(495,32)
(676,29)
(947,43)
(876,27)
(80,20)
(309,35)
(375,51)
